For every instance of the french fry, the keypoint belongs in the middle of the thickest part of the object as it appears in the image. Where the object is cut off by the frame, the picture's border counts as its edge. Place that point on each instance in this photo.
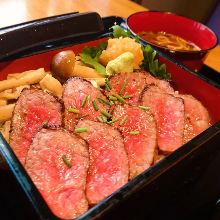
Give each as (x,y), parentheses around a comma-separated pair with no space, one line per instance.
(52,85)
(6,112)
(29,77)
(85,71)
(5,130)
(10,94)
(99,81)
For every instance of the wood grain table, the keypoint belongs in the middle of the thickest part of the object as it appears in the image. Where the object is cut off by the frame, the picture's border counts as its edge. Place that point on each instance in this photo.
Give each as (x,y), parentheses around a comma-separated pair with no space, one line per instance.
(18,11)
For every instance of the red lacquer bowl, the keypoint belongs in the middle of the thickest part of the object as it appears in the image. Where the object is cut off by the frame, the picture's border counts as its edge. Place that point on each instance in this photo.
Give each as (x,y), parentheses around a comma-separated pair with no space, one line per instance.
(186,28)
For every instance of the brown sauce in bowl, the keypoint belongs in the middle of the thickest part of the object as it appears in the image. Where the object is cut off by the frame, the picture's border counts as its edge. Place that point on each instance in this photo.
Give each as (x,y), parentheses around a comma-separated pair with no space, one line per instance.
(169,41)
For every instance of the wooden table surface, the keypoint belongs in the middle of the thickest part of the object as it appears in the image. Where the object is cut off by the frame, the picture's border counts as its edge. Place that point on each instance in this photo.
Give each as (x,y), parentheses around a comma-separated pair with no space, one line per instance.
(18,11)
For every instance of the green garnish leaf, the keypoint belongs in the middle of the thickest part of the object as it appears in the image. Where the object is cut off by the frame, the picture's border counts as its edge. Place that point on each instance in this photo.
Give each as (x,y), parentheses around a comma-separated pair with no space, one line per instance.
(66,161)
(119,32)
(74,110)
(95,106)
(95,51)
(92,62)
(135,132)
(151,64)
(124,120)
(81,130)
(106,114)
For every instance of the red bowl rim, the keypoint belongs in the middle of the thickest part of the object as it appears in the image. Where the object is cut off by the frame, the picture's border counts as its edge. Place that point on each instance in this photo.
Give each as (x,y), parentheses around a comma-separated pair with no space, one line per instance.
(165,48)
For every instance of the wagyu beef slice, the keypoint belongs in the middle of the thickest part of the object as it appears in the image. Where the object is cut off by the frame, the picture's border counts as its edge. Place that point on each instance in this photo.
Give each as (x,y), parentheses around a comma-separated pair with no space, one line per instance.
(33,110)
(140,147)
(108,169)
(57,162)
(168,112)
(76,92)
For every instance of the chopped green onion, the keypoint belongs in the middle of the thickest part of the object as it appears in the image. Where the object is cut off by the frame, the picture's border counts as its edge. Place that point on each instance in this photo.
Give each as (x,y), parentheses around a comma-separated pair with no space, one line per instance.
(112,98)
(88,99)
(123,120)
(127,96)
(83,116)
(84,101)
(112,121)
(44,124)
(111,103)
(102,119)
(108,85)
(66,161)
(135,132)
(95,106)
(144,107)
(102,101)
(123,88)
(80,130)
(106,114)
(73,110)
(120,99)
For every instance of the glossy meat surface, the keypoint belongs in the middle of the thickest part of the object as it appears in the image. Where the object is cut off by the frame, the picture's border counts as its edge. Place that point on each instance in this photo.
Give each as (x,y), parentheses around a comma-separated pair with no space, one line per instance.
(197,118)
(108,169)
(75,91)
(140,147)
(33,109)
(168,112)
(136,82)
(62,186)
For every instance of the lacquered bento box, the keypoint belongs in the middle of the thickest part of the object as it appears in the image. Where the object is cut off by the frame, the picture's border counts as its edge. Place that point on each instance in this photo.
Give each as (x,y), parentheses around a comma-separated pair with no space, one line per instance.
(182,183)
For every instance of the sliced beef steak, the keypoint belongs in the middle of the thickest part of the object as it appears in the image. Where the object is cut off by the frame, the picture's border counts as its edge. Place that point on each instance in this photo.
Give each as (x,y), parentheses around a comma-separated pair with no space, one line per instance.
(134,83)
(59,169)
(197,118)
(138,128)
(33,109)
(108,169)
(81,95)
(169,115)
